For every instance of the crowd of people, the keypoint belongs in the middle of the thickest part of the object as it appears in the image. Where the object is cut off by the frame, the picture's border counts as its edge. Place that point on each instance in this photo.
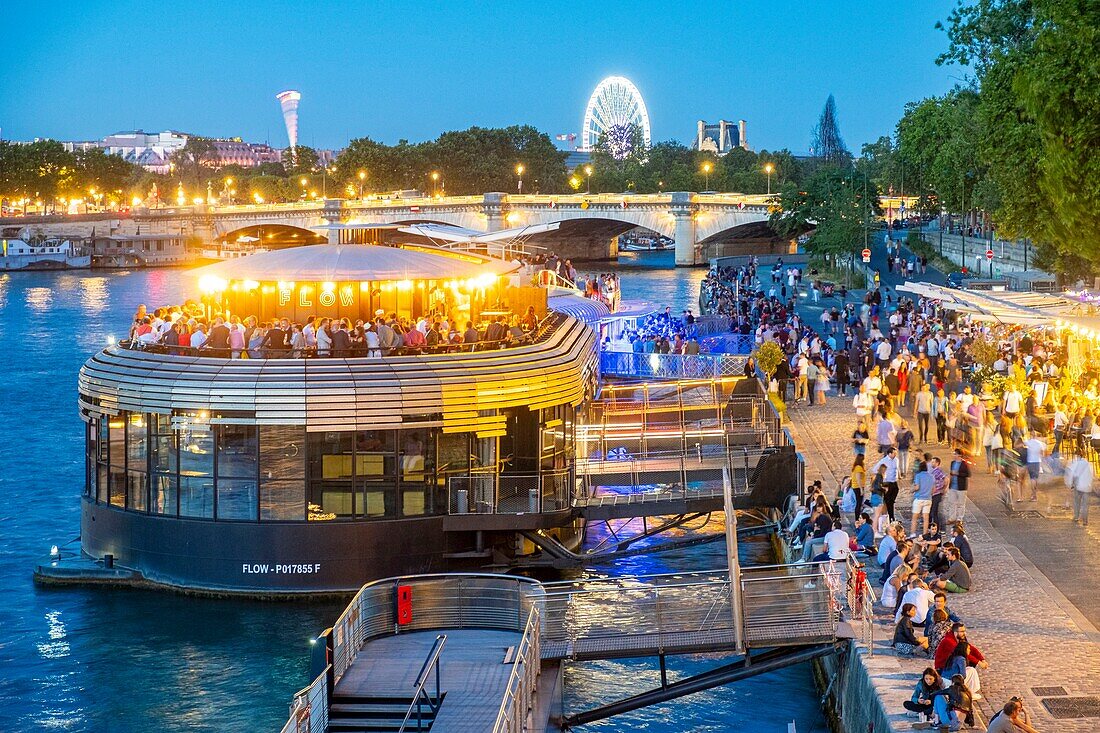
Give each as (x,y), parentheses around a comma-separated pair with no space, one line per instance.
(922,429)
(187,329)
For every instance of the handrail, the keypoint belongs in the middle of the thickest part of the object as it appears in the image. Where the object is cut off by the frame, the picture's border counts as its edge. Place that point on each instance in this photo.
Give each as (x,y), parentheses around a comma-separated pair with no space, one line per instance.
(309,707)
(860,601)
(420,696)
(544,327)
(522,684)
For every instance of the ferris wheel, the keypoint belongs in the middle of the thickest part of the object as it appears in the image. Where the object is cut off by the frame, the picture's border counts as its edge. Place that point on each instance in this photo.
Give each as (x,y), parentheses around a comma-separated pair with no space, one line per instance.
(614,109)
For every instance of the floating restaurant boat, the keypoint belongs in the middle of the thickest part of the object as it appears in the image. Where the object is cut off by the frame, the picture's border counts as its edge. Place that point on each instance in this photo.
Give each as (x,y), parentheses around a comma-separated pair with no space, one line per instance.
(275,476)
(50,254)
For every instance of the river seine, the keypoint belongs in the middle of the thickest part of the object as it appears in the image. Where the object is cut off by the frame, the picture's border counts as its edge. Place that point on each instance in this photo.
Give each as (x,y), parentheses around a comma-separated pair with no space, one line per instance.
(125,661)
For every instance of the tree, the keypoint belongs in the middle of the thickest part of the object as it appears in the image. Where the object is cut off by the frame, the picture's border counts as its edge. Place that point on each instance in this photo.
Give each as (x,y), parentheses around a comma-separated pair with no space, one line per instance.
(94,168)
(304,161)
(825,140)
(835,204)
(193,164)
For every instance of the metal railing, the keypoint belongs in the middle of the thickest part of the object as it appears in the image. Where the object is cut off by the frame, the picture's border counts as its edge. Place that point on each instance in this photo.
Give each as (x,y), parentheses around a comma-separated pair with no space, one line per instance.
(783,604)
(357,351)
(309,707)
(860,603)
(671,366)
(522,687)
(737,465)
(451,601)
(421,697)
(491,492)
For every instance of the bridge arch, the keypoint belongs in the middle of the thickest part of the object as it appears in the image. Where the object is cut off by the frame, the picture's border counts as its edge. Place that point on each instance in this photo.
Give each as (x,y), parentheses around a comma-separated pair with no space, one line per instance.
(274,234)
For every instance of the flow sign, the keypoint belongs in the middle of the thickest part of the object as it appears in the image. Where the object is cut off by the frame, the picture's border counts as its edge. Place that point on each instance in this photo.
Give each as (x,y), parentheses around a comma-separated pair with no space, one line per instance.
(866,255)
(989,254)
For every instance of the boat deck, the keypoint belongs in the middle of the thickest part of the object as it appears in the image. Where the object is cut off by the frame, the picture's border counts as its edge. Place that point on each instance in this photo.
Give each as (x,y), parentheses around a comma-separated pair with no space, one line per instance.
(474,674)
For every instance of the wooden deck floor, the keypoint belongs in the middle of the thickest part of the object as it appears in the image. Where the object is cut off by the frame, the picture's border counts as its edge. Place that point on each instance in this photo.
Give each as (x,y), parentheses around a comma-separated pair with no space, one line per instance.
(474,673)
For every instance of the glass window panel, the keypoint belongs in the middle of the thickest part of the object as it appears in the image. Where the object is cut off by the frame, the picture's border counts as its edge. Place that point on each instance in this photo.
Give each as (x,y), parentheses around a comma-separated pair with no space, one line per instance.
(375,457)
(101,483)
(136,443)
(379,499)
(90,451)
(282,500)
(282,453)
(237,498)
(196,446)
(136,492)
(163,458)
(117,450)
(237,451)
(196,496)
(163,491)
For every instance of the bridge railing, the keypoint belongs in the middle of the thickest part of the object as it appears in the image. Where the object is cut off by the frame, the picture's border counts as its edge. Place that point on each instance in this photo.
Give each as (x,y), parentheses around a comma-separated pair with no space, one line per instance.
(449,601)
(309,707)
(678,610)
(492,492)
(521,691)
(671,366)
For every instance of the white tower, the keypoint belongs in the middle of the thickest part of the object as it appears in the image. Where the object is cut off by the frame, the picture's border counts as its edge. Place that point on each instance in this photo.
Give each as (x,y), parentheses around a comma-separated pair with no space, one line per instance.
(288,100)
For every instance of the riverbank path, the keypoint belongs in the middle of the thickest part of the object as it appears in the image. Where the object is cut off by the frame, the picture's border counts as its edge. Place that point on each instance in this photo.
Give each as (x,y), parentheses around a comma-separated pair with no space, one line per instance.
(1041,645)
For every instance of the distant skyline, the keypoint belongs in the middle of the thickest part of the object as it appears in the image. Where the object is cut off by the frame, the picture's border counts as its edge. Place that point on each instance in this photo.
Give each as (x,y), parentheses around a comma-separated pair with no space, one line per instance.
(404,70)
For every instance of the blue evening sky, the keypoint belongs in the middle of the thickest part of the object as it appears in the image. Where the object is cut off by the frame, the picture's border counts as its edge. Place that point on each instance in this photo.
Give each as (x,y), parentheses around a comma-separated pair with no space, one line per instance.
(392,70)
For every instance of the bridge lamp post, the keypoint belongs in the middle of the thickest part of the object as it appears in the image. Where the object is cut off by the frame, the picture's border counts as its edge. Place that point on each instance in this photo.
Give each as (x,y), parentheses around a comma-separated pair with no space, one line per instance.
(707,167)
(305,186)
(769,168)
(435,183)
(519,172)
(227,191)
(588,179)
(362,177)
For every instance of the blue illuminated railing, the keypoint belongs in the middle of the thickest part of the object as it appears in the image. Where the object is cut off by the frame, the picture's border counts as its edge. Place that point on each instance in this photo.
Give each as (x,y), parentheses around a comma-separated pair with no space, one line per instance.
(671,366)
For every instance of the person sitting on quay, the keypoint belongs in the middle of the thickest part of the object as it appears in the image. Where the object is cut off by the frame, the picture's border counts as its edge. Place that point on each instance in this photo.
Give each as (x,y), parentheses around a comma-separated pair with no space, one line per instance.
(837,545)
(920,598)
(906,641)
(939,603)
(956,655)
(1011,718)
(930,699)
(865,535)
(956,578)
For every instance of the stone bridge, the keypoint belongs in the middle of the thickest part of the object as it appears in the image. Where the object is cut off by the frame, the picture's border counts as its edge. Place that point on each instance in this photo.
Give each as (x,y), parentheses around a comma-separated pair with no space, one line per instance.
(592,221)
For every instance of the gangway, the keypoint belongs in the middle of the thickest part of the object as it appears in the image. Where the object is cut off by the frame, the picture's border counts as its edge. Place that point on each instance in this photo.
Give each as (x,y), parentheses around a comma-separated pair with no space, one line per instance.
(502,633)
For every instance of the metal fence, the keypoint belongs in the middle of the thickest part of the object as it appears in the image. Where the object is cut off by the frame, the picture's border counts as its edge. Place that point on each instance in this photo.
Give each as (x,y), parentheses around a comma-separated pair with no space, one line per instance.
(860,603)
(782,605)
(309,708)
(522,688)
(671,366)
(489,492)
(451,601)
(734,466)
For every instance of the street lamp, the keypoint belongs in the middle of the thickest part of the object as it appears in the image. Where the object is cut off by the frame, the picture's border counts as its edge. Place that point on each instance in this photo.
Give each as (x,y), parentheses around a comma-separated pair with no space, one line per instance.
(519,172)
(228,189)
(362,177)
(588,175)
(769,168)
(707,167)
(305,186)
(435,183)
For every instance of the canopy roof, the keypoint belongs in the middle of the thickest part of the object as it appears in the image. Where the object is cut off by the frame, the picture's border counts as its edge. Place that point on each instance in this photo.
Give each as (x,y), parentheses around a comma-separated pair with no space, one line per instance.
(1028,309)
(354,263)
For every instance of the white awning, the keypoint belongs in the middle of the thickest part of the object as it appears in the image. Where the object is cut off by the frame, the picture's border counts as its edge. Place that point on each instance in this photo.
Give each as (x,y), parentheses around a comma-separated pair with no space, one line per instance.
(355,263)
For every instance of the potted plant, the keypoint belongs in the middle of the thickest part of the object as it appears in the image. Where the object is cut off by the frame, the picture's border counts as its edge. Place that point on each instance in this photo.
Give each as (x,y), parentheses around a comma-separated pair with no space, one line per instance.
(768,355)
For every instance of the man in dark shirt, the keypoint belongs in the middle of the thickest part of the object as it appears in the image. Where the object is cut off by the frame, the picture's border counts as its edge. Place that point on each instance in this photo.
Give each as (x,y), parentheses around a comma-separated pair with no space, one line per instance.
(275,341)
(341,341)
(218,340)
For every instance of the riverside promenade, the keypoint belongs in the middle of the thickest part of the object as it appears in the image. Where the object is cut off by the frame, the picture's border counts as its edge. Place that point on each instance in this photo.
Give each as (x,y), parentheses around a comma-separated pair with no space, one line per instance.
(1039,645)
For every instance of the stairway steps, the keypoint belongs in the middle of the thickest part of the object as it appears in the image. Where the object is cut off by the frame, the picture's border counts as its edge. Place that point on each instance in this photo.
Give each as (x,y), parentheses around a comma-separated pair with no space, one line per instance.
(374,714)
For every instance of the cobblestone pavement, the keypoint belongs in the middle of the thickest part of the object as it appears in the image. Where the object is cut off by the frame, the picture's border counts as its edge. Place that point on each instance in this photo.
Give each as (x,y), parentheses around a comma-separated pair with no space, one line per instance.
(1028,630)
